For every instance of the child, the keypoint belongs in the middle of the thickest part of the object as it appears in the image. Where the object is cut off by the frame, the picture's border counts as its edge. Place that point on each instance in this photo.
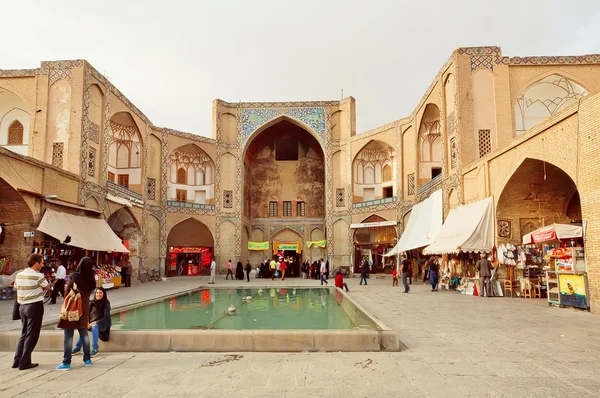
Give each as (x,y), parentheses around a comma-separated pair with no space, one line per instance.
(339,281)
(394,277)
(100,321)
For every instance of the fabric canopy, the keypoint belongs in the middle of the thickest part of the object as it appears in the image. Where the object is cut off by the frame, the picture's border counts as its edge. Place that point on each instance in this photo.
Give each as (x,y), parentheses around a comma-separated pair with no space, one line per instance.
(553,232)
(86,233)
(468,228)
(424,223)
(318,243)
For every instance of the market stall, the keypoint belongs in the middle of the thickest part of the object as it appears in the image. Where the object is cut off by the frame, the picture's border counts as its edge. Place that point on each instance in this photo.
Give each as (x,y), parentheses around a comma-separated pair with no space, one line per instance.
(558,249)
(467,231)
(67,238)
(371,241)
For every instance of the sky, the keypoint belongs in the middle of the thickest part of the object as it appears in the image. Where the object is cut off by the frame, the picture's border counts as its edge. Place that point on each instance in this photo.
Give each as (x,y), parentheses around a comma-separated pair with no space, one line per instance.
(173,58)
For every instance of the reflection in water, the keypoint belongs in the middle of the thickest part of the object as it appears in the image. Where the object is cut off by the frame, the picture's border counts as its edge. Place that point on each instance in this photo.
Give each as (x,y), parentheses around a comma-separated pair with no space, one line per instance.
(321,308)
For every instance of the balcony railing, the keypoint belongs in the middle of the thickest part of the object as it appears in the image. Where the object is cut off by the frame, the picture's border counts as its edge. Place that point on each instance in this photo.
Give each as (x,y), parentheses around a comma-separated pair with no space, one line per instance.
(429,184)
(189,205)
(374,202)
(122,191)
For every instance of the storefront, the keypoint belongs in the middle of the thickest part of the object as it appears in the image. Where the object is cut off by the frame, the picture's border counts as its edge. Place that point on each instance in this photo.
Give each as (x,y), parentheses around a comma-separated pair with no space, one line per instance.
(371,241)
(66,238)
(189,261)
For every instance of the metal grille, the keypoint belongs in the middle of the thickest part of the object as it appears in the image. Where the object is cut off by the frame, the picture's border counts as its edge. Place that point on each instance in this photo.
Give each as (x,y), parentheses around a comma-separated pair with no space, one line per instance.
(272,209)
(57,154)
(411,184)
(91,162)
(340,197)
(15,133)
(287,208)
(228,199)
(485,142)
(151,188)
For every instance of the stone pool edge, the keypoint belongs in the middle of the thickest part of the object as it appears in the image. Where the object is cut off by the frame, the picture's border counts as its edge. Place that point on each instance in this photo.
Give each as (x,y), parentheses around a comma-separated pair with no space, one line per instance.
(225,341)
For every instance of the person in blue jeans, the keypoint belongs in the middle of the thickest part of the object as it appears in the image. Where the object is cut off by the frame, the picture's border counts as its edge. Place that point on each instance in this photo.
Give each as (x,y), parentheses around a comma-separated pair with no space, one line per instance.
(100,321)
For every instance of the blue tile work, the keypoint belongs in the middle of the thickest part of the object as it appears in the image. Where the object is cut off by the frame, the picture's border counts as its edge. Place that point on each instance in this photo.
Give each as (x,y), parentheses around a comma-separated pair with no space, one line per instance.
(313,117)
(375,202)
(123,192)
(187,205)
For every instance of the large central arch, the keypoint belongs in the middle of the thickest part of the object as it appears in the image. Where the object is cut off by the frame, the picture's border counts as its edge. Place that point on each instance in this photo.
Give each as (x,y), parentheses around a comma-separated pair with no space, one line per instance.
(284,165)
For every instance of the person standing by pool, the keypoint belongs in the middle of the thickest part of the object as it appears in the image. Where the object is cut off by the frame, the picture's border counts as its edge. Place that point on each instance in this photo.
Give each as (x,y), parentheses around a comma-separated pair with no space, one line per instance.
(30,284)
(100,321)
(213,271)
(273,267)
(283,267)
(83,282)
(229,270)
(248,269)
(239,271)
(364,271)
(323,271)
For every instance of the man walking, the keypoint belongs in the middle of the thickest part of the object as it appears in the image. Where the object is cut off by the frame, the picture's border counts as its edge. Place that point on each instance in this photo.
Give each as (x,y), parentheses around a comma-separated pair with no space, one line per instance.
(272,266)
(213,272)
(59,284)
(364,271)
(405,272)
(229,270)
(323,271)
(485,272)
(30,284)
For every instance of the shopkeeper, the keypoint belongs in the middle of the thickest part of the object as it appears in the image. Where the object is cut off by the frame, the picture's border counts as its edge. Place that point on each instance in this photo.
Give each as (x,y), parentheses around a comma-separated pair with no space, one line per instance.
(59,284)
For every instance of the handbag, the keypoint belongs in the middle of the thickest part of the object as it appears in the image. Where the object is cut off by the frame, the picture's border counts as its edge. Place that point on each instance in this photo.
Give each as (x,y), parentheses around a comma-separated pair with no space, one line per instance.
(16,315)
(72,308)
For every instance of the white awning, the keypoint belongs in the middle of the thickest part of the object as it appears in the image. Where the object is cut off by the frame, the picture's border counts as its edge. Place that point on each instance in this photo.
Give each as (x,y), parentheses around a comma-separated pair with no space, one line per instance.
(423,225)
(121,201)
(468,228)
(86,233)
(374,224)
(554,232)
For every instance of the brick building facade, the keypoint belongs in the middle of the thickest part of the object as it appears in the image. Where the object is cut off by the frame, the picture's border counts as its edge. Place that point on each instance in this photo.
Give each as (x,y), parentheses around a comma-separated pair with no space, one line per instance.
(488,125)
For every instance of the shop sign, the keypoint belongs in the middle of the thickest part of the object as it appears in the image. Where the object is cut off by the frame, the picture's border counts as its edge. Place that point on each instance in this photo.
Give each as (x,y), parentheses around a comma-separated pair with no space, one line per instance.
(374,224)
(27,234)
(287,246)
(184,249)
(258,245)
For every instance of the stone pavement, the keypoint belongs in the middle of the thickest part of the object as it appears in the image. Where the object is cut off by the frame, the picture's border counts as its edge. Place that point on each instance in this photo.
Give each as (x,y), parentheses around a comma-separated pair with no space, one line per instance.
(457,346)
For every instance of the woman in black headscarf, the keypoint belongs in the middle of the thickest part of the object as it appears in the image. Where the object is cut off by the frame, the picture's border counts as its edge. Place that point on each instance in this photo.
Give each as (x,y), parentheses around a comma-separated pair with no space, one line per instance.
(100,321)
(239,271)
(82,281)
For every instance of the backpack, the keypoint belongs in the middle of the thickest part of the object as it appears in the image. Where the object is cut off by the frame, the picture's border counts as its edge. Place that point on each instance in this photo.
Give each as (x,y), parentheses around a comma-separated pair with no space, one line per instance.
(72,308)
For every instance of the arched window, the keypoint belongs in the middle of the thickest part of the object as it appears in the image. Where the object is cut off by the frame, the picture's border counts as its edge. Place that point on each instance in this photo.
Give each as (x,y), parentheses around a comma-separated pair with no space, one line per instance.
(387,173)
(15,133)
(181,176)
(369,174)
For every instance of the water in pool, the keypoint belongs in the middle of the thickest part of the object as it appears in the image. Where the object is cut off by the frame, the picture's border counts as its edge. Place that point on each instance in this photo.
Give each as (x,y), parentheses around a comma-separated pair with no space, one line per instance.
(269,308)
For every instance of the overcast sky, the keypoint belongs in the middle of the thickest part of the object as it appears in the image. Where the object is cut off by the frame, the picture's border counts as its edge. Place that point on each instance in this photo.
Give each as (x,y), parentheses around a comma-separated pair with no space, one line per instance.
(172,58)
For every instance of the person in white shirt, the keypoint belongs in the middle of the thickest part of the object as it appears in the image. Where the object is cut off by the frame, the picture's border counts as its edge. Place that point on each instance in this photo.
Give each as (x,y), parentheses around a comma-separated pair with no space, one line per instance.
(213,272)
(229,270)
(59,284)
(323,271)
(30,284)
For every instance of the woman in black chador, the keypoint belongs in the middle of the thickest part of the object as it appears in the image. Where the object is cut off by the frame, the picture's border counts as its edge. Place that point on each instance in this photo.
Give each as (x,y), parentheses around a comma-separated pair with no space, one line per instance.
(239,271)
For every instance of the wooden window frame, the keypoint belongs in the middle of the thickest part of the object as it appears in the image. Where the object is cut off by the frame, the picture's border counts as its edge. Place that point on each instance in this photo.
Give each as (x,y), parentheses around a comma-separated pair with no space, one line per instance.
(120,178)
(300,209)
(110,177)
(181,194)
(287,208)
(273,209)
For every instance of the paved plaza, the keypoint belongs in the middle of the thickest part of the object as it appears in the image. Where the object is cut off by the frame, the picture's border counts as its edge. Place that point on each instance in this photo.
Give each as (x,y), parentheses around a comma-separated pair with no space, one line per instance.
(457,346)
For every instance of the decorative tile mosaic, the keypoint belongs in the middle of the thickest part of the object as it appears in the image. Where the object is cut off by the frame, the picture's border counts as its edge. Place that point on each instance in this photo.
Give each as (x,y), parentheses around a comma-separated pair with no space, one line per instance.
(411,184)
(273,229)
(151,188)
(375,202)
(453,153)
(56,74)
(482,62)
(504,229)
(94,133)
(340,197)
(123,192)
(189,205)
(91,162)
(251,119)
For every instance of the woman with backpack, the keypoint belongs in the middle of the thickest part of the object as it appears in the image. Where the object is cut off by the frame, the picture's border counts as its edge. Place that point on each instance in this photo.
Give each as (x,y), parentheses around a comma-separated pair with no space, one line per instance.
(100,321)
(77,305)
